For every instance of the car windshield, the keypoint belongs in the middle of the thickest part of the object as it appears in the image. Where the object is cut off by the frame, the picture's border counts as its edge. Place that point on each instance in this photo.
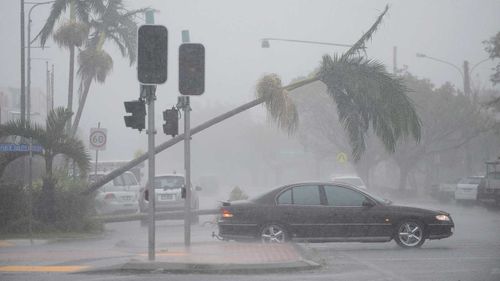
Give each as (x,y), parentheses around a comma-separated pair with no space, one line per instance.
(169,182)
(470,180)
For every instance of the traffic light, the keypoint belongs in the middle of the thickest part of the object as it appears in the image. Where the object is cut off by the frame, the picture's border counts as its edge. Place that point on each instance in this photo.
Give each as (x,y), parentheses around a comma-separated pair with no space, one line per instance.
(171,117)
(191,69)
(152,50)
(138,118)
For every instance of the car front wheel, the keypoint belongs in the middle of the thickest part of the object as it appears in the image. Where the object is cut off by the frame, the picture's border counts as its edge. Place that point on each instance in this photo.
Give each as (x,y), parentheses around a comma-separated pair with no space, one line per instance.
(273,233)
(410,234)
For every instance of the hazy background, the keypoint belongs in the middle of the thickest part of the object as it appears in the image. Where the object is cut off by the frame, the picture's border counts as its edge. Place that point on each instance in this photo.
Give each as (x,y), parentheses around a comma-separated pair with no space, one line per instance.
(231,31)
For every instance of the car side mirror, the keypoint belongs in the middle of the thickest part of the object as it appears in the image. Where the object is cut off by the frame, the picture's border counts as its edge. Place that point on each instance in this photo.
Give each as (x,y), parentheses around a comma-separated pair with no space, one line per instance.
(368,203)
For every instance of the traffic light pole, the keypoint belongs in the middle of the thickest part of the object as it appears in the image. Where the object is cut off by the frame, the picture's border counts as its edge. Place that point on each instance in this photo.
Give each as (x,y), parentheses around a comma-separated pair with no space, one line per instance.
(150,99)
(186,107)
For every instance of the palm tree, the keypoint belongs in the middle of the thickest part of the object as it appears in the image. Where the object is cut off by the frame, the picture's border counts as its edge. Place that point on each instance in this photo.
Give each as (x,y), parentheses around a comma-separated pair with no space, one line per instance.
(54,140)
(72,33)
(117,25)
(367,97)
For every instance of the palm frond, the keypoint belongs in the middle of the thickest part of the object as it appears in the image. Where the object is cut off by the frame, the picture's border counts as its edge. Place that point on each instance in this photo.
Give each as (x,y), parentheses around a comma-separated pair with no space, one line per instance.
(56,122)
(22,129)
(74,149)
(369,97)
(57,9)
(360,44)
(71,34)
(94,65)
(278,103)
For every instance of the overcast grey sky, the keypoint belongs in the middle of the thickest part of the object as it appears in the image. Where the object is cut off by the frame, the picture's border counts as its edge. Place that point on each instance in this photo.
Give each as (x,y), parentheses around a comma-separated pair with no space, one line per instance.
(230,30)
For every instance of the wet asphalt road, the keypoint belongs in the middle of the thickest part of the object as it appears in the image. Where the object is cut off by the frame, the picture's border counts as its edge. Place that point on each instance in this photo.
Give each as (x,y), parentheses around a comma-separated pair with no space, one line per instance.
(472,253)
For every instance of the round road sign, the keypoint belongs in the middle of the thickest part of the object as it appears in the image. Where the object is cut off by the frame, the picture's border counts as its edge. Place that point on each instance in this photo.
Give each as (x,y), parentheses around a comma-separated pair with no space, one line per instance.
(98,138)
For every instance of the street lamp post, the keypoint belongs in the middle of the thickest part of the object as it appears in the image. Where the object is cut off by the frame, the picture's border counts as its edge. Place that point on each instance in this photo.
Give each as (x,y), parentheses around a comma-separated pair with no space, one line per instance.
(28,78)
(465,73)
(265,42)
(467,91)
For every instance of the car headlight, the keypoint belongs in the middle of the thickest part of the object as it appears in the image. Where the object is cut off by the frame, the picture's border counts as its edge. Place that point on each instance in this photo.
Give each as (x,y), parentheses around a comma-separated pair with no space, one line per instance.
(442,218)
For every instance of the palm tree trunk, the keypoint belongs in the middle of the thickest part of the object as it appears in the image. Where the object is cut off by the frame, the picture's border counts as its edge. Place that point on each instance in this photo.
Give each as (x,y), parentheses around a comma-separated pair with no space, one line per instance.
(47,208)
(70,82)
(81,105)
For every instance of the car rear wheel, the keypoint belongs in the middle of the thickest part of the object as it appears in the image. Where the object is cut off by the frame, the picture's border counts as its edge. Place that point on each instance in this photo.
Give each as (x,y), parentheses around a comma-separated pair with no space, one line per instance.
(410,234)
(273,233)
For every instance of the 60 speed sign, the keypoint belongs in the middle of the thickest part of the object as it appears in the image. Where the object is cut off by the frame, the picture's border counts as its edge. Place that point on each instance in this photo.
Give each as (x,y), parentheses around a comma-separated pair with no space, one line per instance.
(97,139)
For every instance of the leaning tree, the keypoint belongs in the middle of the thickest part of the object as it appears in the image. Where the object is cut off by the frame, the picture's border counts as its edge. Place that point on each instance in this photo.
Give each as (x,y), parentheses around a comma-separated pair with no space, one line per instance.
(368,99)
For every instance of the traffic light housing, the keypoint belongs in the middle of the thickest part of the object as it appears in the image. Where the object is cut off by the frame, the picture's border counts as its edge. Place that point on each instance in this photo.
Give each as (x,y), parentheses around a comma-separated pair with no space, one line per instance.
(191,69)
(138,118)
(152,54)
(171,126)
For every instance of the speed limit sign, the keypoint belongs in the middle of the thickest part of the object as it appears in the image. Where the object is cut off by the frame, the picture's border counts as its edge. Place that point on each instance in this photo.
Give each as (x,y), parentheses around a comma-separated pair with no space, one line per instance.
(97,139)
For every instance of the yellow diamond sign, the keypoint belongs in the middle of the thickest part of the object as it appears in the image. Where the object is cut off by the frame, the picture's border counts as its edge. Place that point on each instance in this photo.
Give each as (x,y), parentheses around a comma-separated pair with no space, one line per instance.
(341,157)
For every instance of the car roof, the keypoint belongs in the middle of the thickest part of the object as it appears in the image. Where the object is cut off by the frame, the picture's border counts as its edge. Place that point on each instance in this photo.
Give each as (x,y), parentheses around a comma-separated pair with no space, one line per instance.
(269,197)
(169,175)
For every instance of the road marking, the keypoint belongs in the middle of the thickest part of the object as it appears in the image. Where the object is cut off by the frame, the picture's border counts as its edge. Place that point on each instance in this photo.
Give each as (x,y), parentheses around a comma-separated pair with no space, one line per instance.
(27,268)
(166,254)
(4,243)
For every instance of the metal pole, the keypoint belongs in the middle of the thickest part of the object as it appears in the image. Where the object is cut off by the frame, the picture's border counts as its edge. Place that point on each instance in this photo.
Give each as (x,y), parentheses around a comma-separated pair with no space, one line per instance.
(47,86)
(52,88)
(23,71)
(151,168)
(96,154)
(150,99)
(187,166)
(30,191)
(28,86)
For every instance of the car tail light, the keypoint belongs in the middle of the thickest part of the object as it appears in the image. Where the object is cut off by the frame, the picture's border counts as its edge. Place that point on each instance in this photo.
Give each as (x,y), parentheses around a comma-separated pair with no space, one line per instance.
(226,213)
(109,196)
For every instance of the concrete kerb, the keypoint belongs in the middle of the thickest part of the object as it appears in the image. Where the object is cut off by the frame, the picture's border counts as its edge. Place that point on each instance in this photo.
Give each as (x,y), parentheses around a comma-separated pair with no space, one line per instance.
(137,266)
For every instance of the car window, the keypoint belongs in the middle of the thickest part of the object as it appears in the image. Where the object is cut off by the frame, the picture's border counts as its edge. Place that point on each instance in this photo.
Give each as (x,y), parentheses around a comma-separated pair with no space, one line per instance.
(118,181)
(306,195)
(129,179)
(169,182)
(343,197)
(285,197)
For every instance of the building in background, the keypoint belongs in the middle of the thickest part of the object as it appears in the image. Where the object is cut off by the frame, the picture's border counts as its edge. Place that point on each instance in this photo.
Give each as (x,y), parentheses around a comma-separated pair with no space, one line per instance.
(10,105)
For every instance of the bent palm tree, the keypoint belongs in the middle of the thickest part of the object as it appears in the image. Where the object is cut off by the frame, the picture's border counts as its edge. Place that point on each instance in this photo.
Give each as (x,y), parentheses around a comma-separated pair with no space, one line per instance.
(117,25)
(54,140)
(365,94)
(71,33)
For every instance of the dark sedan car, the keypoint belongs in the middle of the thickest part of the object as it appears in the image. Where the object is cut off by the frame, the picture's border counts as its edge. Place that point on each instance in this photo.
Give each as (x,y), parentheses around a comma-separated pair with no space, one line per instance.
(329,212)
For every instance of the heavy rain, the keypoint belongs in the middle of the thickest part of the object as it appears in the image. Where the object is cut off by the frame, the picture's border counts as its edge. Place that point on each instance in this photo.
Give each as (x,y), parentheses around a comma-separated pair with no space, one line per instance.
(249,140)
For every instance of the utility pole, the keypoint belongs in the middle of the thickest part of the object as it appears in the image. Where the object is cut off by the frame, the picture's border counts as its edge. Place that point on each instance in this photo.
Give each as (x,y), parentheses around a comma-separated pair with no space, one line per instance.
(23,61)
(394,60)
(150,100)
(467,89)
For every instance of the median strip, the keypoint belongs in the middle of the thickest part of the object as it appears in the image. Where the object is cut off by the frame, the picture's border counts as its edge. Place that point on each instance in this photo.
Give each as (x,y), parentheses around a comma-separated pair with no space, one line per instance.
(27,268)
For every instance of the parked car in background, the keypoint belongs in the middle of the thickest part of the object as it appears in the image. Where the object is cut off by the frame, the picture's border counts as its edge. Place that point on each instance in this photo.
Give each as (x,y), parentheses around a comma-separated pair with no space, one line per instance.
(329,212)
(488,190)
(444,191)
(466,189)
(121,195)
(168,194)
(352,180)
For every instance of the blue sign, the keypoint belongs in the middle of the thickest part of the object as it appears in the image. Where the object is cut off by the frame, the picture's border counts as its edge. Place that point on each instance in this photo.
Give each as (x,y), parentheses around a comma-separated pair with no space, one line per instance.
(10,147)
